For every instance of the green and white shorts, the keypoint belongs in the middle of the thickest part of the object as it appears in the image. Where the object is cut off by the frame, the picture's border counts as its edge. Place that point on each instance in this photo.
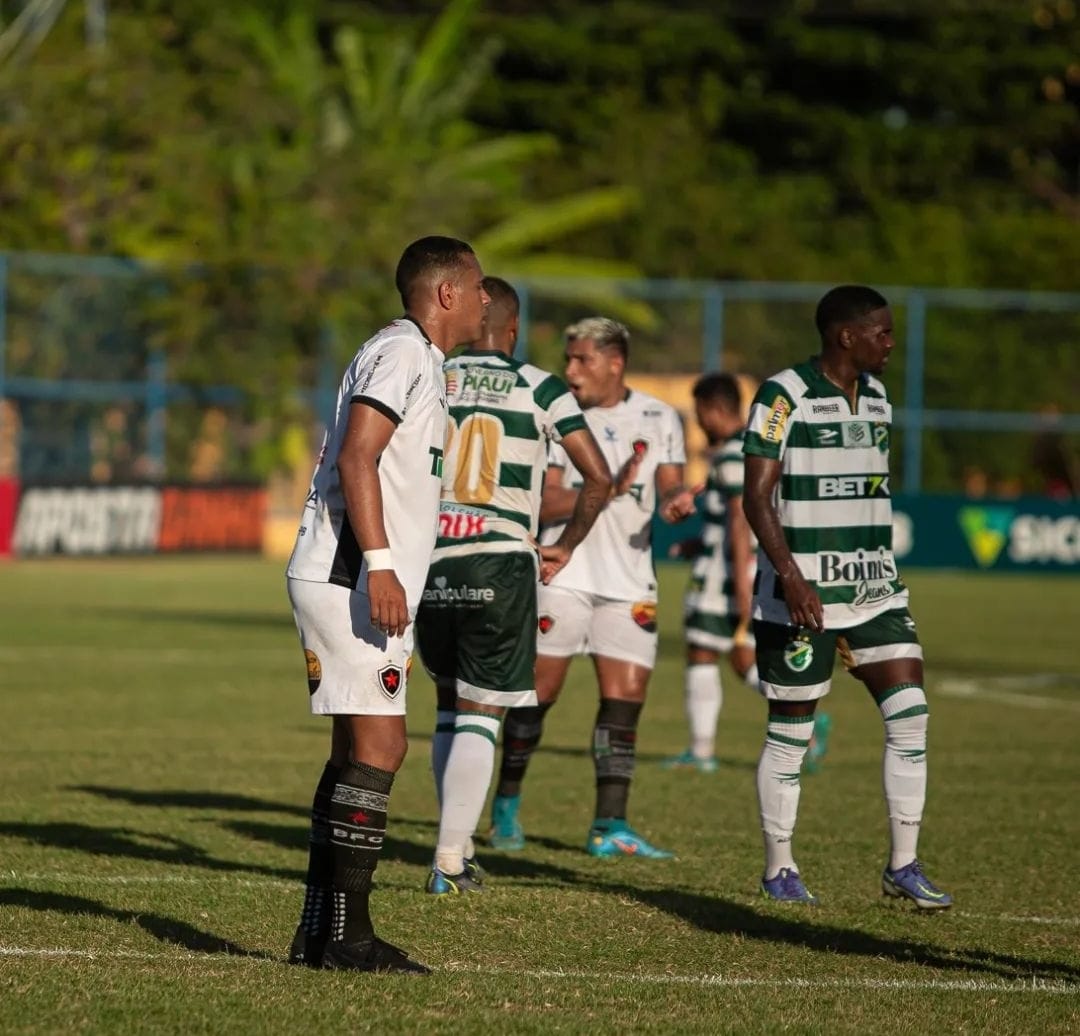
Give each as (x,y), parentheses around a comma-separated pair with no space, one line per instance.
(711,619)
(477,626)
(797,665)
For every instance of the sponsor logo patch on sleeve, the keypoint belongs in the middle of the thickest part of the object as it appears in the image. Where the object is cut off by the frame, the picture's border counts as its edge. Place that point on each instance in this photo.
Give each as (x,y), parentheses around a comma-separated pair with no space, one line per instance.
(777,420)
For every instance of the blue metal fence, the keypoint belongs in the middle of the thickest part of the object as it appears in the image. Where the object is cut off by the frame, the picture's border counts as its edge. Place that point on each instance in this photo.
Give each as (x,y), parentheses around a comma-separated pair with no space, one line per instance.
(74,331)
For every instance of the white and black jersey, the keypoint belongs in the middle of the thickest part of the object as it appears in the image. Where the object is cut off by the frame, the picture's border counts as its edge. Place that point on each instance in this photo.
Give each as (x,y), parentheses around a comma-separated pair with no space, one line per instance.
(615,558)
(399,373)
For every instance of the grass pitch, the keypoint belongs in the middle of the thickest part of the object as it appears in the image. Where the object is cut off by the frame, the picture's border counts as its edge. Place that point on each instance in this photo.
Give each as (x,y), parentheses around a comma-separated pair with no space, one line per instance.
(157,768)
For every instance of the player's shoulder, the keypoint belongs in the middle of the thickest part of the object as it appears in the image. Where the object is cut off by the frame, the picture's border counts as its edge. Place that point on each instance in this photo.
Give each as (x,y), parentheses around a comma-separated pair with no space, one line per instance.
(732,447)
(400,339)
(790,384)
(649,407)
(874,387)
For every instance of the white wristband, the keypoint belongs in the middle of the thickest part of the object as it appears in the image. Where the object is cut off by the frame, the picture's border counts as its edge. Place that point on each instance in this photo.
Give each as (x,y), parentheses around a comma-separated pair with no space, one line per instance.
(378,560)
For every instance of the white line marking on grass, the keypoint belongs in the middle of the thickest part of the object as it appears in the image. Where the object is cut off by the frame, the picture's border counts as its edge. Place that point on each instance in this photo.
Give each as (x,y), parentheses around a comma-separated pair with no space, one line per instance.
(292,886)
(1019,919)
(954,688)
(973,985)
(153,879)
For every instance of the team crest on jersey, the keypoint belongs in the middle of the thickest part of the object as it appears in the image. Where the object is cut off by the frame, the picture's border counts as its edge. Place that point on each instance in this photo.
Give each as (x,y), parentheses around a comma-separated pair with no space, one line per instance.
(451,382)
(314,671)
(391,679)
(639,446)
(881,436)
(644,614)
(799,653)
(546,623)
(856,435)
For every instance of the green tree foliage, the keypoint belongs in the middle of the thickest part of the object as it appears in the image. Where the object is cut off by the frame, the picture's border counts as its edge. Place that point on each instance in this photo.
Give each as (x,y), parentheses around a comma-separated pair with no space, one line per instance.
(289,158)
(289,148)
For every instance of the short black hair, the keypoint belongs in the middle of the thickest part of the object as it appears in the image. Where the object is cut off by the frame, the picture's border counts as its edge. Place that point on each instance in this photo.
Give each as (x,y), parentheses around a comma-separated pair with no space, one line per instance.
(719,388)
(502,295)
(846,304)
(426,258)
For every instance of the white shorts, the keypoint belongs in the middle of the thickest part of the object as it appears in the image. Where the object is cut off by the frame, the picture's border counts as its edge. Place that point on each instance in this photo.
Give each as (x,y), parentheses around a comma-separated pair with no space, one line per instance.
(352,668)
(572,622)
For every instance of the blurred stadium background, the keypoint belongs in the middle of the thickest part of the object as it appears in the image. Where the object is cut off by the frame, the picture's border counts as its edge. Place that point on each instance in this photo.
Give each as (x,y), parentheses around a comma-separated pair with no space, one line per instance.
(201,205)
(200,210)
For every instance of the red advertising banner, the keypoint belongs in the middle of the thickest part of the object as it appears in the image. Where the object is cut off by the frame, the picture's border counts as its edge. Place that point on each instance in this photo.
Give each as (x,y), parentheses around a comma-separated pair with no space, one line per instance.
(9,504)
(217,518)
(82,520)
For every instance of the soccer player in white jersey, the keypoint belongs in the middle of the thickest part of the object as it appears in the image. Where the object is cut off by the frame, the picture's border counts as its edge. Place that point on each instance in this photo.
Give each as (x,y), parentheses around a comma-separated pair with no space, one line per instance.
(355,579)
(475,626)
(716,609)
(817,496)
(604,601)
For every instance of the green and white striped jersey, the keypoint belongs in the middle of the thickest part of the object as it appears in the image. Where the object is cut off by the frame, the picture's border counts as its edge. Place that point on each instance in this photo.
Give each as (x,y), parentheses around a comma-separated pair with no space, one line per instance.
(724,483)
(502,415)
(833,498)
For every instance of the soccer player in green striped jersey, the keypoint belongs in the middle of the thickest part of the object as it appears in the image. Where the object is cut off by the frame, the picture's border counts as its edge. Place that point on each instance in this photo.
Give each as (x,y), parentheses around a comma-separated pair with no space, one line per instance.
(716,609)
(817,496)
(477,620)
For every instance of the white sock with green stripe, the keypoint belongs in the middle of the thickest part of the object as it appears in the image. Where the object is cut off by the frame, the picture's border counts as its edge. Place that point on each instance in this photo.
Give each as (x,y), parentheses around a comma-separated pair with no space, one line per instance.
(465,784)
(906,716)
(441,741)
(786,741)
(704,698)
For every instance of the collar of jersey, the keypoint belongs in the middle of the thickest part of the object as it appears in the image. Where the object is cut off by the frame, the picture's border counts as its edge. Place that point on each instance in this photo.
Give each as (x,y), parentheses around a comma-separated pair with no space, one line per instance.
(482,353)
(614,406)
(419,327)
(822,382)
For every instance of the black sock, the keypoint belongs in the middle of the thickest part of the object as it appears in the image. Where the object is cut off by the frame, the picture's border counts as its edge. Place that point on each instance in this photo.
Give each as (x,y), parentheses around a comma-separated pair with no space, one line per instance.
(522,729)
(315,917)
(357,830)
(614,738)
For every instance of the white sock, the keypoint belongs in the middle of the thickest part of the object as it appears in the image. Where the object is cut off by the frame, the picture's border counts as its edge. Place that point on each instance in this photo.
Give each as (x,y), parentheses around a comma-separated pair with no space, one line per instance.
(704,697)
(903,769)
(751,679)
(440,746)
(786,741)
(465,786)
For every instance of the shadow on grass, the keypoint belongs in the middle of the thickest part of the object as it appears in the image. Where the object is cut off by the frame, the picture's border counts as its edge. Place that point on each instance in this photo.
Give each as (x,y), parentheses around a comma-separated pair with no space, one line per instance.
(135,845)
(165,929)
(727,918)
(401,850)
(212,800)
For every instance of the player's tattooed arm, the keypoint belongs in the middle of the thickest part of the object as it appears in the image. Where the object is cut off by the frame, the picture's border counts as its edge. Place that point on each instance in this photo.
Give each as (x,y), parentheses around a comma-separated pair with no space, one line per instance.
(676,501)
(585,454)
(366,436)
(762,478)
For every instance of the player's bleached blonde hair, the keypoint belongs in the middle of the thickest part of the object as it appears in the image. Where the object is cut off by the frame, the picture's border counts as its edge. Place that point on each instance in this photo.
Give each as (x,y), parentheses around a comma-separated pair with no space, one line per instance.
(603,332)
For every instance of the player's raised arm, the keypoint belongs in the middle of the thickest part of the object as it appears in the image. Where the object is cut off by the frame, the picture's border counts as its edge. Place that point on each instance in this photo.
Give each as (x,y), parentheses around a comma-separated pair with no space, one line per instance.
(583,451)
(762,478)
(367,434)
